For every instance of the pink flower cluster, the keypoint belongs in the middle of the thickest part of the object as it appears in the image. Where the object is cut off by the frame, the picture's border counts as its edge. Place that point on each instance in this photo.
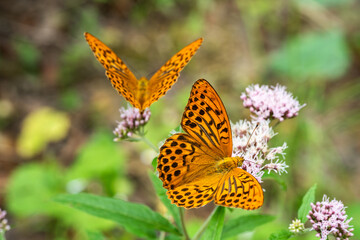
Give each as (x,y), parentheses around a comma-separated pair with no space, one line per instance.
(4,226)
(329,217)
(131,121)
(270,102)
(251,142)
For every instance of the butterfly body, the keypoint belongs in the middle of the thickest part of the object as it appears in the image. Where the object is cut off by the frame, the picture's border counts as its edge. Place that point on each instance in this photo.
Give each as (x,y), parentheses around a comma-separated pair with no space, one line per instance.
(197,167)
(141,93)
(227,164)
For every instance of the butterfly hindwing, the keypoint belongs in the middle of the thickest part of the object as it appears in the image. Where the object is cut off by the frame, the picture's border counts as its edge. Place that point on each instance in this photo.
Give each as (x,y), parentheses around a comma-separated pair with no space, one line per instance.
(168,74)
(239,189)
(122,79)
(196,194)
(206,120)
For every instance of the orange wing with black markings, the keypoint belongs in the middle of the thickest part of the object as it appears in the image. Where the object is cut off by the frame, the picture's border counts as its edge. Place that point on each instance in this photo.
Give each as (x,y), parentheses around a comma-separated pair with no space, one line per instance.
(141,93)
(168,74)
(196,167)
(120,76)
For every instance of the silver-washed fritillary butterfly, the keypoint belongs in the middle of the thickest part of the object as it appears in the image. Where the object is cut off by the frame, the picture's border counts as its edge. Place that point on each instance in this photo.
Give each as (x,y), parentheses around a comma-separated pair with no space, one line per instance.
(141,93)
(196,167)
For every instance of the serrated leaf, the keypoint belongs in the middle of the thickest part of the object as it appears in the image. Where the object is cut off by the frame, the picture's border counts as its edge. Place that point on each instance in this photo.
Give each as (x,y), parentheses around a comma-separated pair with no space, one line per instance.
(216,224)
(305,207)
(282,235)
(245,223)
(161,192)
(135,218)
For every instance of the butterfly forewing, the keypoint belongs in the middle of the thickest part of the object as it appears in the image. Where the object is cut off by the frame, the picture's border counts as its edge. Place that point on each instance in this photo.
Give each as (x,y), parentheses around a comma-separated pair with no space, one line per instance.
(183,160)
(206,120)
(122,79)
(141,93)
(167,75)
(239,189)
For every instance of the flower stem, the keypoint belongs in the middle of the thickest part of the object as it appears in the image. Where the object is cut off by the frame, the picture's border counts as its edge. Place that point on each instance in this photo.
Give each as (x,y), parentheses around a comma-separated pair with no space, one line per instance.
(150,144)
(181,212)
(276,123)
(162,235)
(306,230)
(204,226)
(2,236)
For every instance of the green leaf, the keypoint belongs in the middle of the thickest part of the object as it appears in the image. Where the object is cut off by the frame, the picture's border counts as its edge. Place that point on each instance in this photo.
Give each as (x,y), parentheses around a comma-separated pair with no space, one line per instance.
(353,210)
(135,218)
(320,55)
(161,192)
(277,178)
(101,159)
(28,53)
(39,128)
(305,206)
(31,188)
(94,235)
(326,3)
(282,235)
(33,198)
(100,146)
(245,223)
(70,99)
(216,224)
(173,237)
(154,163)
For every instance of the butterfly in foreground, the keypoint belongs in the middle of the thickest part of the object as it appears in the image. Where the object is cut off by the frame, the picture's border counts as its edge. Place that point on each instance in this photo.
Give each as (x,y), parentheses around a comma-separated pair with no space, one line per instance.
(141,93)
(196,167)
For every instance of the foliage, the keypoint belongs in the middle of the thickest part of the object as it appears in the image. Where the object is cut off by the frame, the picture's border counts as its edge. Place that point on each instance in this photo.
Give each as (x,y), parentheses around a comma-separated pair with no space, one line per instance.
(297,60)
(136,218)
(305,206)
(57,110)
(39,128)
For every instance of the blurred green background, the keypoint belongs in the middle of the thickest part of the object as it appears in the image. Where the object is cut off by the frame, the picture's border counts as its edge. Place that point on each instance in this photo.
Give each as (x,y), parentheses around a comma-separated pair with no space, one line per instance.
(58,110)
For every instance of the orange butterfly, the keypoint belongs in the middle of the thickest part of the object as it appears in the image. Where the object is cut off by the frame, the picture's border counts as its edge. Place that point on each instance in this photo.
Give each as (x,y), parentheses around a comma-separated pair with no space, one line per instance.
(196,167)
(141,93)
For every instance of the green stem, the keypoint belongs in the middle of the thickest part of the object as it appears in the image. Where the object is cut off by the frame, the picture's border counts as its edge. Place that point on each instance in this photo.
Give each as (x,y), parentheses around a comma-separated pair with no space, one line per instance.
(204,226)
(145,140)
(275,124)
(181,211)
(306,230)
(162,235)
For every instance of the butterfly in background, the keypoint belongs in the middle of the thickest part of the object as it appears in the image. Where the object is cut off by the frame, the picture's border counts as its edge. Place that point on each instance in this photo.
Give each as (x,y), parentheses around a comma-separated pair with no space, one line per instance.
(143,92)
(196,167)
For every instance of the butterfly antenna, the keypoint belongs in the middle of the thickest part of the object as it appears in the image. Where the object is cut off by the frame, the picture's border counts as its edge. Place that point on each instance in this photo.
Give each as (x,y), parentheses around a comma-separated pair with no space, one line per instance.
(257,125)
